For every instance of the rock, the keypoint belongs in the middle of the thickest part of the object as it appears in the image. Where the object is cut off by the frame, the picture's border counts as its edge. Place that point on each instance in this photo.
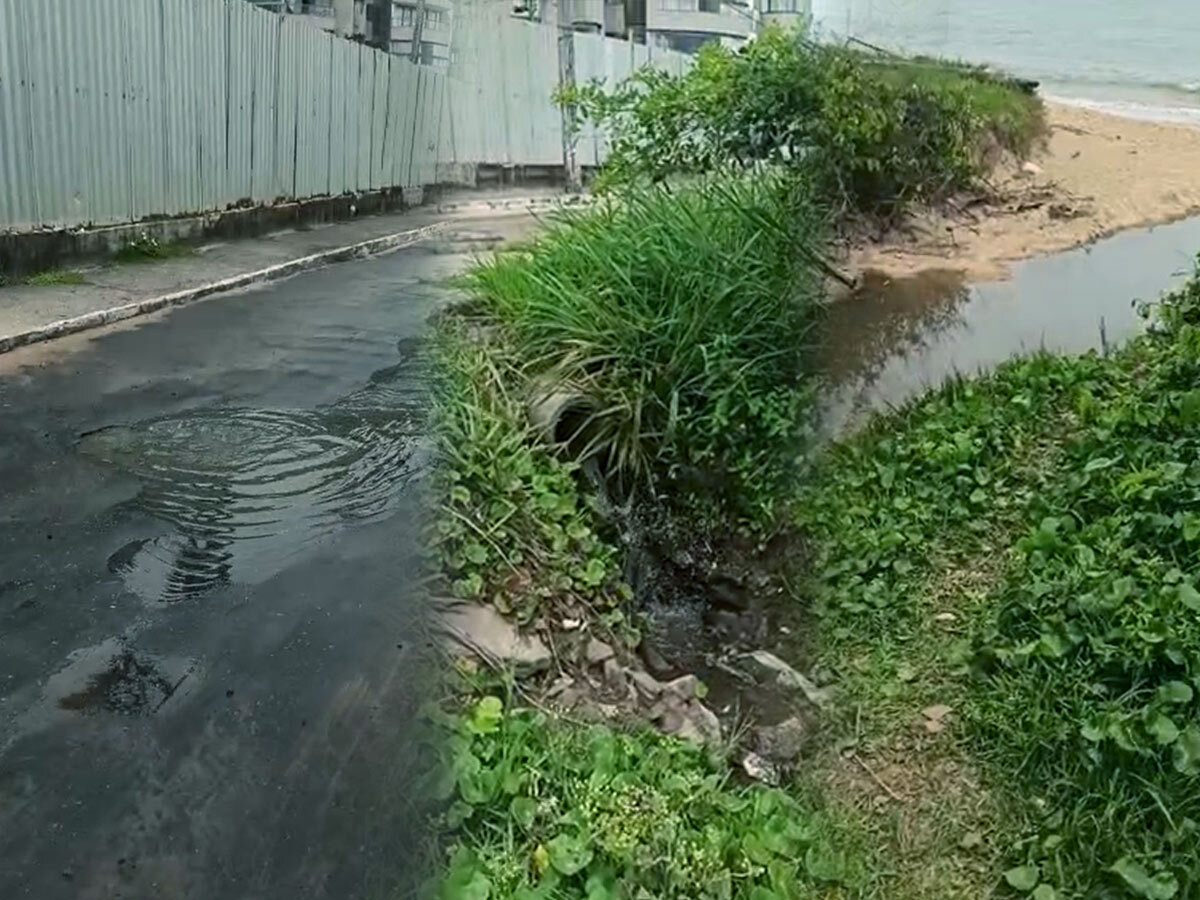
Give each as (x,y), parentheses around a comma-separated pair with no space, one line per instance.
(685,687)
(935,718)
(692,721)
(706,721)
(599,652)
(656,662)
(734,626)
(789,677)
(727,592)
(760,769)
(481,631)
(784,742)
(648,687)
(570,624)
(1031,168)
(614,676)
(946,617)
(560,685)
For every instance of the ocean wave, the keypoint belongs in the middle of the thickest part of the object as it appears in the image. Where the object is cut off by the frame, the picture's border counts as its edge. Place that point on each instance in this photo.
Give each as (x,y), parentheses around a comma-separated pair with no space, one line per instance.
(1129,109)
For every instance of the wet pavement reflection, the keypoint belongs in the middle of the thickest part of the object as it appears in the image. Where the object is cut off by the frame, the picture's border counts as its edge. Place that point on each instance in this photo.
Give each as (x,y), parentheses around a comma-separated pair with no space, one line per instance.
(211,641)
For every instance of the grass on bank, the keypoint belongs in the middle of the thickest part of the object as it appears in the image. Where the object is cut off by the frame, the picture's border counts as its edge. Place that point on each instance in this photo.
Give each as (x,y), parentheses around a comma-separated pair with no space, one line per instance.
(679,324)
(677,321)
(876,134)
(53,277)
(544,808)
(1025,549)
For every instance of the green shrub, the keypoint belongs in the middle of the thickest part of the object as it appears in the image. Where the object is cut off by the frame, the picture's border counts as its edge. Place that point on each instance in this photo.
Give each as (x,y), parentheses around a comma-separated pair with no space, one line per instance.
(1080,677)
(875,135)
(544,809)
(511,525)
(681,320)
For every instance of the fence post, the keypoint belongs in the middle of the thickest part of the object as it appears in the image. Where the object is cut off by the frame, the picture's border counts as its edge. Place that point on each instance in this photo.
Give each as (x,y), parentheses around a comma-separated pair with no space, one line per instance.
(566,82)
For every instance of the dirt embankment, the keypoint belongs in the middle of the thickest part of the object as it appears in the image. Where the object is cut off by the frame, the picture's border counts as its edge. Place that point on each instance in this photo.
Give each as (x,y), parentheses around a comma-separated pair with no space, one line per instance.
(1098,174)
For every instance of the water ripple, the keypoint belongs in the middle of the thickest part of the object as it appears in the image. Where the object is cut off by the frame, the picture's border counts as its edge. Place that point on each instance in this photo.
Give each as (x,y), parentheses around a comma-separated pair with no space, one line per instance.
(246,489)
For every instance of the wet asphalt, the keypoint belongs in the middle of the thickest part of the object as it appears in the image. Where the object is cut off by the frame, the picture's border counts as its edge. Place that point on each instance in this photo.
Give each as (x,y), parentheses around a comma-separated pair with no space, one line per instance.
(212,647)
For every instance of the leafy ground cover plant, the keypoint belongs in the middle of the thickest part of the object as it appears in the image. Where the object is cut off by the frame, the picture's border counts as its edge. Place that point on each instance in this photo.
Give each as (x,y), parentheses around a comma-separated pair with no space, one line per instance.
(875,133)
(1076,671)
(543,808)
(512,527)
(681,320)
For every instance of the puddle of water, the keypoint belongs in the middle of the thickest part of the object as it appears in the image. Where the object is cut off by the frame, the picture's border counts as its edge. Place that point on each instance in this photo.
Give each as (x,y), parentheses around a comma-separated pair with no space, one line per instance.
(893,339)
(109,678)
(245,490)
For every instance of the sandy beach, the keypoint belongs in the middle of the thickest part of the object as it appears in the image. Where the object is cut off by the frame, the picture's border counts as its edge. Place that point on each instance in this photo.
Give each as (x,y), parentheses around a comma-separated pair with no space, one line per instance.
(1097,174)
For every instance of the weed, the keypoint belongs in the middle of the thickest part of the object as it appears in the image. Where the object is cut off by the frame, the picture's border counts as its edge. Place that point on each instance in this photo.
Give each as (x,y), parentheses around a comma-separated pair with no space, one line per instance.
(56,277)
(145,247)
(681,320)
(875,135)
(542,808)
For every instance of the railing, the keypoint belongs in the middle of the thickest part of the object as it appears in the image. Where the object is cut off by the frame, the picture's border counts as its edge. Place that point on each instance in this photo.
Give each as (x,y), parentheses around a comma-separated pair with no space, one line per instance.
(297,7)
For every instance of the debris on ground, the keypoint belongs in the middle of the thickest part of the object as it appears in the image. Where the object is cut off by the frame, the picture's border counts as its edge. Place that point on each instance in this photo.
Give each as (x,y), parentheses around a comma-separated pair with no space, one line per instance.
(481,631)
(786,675)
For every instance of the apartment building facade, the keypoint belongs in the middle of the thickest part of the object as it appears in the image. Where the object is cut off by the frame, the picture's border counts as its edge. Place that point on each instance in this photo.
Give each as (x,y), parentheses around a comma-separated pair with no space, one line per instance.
(422,30)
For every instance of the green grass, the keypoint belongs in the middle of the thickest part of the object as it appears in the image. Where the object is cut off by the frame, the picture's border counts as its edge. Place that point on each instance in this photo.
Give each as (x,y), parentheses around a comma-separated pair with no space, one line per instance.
(56,277)
(541,808)
(679,321)
(147,248)
(1053,511)
(1012,117)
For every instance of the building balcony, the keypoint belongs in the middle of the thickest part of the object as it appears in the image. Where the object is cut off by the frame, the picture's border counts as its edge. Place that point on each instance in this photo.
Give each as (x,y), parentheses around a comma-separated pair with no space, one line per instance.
(685,24)
(786,13)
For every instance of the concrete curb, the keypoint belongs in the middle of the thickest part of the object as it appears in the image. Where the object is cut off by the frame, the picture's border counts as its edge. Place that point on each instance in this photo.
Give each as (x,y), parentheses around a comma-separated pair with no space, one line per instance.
(549,203)
(373,247)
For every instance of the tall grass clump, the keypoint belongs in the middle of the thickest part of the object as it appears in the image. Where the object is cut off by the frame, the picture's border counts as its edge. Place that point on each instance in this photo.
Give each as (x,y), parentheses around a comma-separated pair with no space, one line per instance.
(680,321)
(877,133)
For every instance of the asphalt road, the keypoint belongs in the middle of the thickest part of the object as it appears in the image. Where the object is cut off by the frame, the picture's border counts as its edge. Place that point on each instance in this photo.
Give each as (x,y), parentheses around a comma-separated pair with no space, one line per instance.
(211,642)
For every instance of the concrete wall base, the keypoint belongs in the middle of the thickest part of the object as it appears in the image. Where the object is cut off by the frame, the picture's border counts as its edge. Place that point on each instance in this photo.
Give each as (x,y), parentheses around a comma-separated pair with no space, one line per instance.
(23,253)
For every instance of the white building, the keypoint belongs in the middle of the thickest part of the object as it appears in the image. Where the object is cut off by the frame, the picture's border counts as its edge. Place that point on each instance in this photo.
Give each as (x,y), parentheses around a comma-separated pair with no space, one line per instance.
(683,25)
(435,30)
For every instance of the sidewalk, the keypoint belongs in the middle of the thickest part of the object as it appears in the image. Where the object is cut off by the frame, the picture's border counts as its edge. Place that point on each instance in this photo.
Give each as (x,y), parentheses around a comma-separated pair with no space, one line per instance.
(110,293)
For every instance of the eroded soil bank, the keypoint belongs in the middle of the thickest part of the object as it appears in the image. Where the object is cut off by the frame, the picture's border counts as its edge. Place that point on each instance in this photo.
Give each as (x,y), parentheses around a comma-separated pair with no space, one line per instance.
(1096,175)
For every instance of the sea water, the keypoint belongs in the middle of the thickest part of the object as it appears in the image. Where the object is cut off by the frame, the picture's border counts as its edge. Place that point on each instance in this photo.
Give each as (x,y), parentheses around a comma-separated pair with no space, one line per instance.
(1138,58)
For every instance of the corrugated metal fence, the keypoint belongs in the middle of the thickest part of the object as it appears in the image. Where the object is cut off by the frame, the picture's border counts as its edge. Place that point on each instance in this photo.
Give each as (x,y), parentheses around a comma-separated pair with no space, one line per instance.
(114,111)
(502,78)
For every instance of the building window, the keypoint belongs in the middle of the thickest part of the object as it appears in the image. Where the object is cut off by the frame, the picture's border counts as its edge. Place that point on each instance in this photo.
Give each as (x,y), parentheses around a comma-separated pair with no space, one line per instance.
(781,6)
(403,15)
(435,18)
(707,6)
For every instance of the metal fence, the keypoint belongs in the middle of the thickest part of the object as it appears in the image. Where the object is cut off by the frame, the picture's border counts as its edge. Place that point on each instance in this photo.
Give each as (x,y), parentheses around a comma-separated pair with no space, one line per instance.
(113,111)
(502,78)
